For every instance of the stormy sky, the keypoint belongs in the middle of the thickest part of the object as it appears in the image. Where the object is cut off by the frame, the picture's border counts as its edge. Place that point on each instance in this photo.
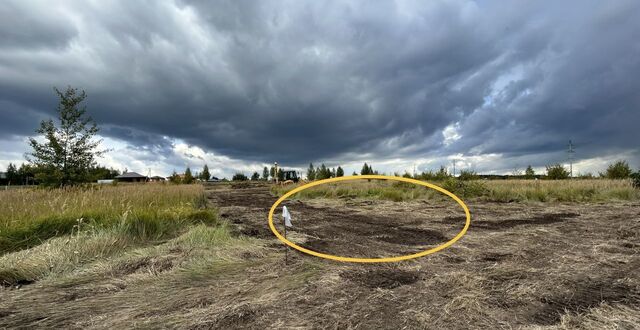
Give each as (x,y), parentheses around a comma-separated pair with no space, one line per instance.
(496,85)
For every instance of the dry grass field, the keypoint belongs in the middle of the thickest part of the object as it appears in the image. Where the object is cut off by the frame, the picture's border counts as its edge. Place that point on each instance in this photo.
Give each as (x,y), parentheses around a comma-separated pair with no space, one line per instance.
(538,255)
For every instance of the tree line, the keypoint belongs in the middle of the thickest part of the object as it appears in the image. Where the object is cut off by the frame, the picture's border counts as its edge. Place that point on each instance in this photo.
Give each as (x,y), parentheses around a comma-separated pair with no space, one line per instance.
(66,155)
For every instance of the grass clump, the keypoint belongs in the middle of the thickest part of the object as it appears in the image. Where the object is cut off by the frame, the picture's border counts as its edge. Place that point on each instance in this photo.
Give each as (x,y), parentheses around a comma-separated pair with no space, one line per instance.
(147,212)
(107,247)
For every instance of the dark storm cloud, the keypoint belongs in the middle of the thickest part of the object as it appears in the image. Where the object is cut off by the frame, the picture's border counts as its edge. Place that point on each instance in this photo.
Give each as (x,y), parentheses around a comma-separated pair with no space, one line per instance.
(304,81)
(21,26)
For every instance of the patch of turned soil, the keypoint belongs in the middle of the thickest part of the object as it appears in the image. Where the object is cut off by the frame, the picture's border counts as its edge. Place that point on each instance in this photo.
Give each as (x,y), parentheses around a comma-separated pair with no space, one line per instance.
(382,278)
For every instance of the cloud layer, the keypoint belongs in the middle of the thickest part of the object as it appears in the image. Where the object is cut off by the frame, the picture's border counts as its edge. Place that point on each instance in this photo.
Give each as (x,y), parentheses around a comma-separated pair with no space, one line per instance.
(499,84)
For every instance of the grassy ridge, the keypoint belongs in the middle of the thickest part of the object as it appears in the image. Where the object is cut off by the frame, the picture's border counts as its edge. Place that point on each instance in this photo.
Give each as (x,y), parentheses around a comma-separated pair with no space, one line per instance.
(500,191)
(146,212)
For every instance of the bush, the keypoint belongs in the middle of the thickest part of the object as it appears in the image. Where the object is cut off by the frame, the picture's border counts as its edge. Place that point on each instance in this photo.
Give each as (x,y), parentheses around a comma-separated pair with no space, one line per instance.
(466,175)
(618,170)
(557,172)
(465,188)
(239,177)
(636,179)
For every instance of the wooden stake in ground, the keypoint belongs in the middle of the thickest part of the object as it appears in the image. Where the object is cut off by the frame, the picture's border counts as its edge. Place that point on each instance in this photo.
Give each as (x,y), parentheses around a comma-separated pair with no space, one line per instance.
(286,221)
(286,247)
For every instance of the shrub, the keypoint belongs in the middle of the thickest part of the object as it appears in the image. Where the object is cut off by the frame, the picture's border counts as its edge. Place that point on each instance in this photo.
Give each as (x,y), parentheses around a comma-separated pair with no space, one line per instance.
(466,175)
(464,188)
(239,177)
(636,179)
(557,172)
(618,170)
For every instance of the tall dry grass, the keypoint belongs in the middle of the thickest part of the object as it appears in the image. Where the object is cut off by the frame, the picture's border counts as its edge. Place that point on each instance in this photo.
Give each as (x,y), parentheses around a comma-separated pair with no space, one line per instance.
(595,190)
(149,211)
(488,190)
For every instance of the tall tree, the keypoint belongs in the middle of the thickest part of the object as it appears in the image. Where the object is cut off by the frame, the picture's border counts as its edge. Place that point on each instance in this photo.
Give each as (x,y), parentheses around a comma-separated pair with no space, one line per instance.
(188,177)
(26,174)
(323,172)
(205,175)
(175,178)
(366,169)
(339,172)
(255,176)
(311,172)
(265,173)
(12,175)
(69,149)
(529,173)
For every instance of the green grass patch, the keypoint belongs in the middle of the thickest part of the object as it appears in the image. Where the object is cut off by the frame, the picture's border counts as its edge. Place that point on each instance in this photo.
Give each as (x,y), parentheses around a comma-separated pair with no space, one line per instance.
(147,212)
(595,190)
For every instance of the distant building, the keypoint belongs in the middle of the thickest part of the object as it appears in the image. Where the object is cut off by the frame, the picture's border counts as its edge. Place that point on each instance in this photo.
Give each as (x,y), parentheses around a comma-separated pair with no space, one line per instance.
(3,178)
(156,178)
(132,177)
(106,181)
(213,179)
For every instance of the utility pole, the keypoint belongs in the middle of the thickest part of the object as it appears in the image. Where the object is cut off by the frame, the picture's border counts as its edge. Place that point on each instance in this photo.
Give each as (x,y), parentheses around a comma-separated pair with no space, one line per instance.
(570,152)
(275,171)
(454,168)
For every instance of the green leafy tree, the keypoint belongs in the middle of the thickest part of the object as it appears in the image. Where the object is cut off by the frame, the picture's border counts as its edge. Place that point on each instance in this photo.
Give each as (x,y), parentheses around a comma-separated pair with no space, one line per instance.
(280,174)
(366,169)
(333,172)
(339,172)
(255,176)
(175,178)
(239,177)
(557,172)
(69,150)
(12,175)
(636,179)
(618,170)
(272,172)
(323,172)
(265,173)
(102,173)
(311,172)
(188,177)
(26,174)
(205,175)
(529,173)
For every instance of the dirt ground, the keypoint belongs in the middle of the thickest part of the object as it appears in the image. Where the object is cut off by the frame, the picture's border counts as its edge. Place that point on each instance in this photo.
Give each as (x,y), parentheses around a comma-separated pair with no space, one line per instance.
(546,265)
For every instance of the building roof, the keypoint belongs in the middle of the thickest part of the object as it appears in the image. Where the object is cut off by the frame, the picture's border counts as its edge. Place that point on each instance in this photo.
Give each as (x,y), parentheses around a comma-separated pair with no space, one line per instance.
(130,175)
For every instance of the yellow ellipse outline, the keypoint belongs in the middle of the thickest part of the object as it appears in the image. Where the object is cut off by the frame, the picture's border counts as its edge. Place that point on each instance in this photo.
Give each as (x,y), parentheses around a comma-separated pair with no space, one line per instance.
(370,260)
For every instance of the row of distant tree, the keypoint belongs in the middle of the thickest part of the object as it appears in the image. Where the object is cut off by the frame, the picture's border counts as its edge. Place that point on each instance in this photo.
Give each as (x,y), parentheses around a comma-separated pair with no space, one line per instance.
(188,177)
(616,170)
(29,174)
(313,173)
